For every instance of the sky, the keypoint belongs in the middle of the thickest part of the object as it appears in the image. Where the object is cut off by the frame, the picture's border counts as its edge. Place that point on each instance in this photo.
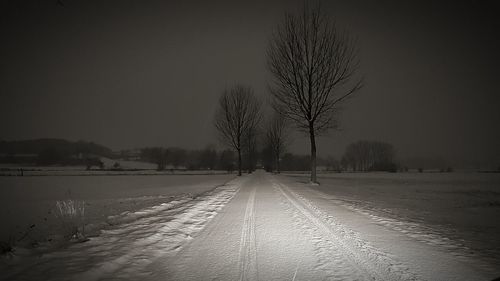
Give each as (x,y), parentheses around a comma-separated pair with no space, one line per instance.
(131,74)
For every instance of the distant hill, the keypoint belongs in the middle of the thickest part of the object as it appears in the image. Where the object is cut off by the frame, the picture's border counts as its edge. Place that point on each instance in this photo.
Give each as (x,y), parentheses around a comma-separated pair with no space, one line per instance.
(50,151)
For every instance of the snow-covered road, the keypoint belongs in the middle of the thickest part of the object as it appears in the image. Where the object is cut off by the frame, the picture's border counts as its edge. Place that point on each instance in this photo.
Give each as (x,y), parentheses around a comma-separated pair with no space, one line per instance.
(258,227)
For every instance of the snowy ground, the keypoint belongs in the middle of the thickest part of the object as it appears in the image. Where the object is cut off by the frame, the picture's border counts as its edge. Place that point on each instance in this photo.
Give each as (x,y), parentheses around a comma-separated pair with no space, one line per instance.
(457,210)
(28,212)
(258,227)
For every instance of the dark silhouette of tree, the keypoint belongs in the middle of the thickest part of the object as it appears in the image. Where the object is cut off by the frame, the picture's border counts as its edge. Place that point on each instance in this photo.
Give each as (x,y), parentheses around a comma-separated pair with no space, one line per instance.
(313,65)
(208,158)
(267,158)
(250,147)
(276,138)
(94,161)
(117,166)
(226,160)
(176,157)
(250,138)
(160,157)
(156,155)
(332,164)
(369,156)
(238,112)
(193,160)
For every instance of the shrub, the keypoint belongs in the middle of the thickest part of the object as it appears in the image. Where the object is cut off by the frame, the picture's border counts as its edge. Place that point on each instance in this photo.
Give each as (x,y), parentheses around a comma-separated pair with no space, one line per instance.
(117,166)
(72,216)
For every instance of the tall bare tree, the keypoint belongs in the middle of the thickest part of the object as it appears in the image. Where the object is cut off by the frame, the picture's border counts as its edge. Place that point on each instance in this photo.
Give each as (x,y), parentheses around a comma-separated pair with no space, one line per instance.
(276,137)
(313,65)
(250,138)
(238,112)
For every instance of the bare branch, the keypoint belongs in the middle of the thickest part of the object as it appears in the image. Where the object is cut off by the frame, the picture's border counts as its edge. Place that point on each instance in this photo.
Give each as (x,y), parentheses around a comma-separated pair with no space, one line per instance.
(313,66)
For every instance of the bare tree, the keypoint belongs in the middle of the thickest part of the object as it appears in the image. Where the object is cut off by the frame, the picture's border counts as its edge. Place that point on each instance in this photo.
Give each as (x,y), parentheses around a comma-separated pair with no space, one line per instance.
(313,65)
(250,144)
(238,112)
(250,138)
(276,137)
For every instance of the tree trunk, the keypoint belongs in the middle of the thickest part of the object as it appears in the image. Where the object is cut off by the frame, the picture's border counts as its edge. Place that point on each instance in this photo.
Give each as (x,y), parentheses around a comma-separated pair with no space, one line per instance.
(249,161)
(239,162)
(313,154)
(278,164)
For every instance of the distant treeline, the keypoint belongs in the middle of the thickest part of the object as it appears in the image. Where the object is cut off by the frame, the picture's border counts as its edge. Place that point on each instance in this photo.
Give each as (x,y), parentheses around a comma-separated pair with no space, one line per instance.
(51,152)
(369,156)
(288,162)
(358,156)
(175,158)
(211,159)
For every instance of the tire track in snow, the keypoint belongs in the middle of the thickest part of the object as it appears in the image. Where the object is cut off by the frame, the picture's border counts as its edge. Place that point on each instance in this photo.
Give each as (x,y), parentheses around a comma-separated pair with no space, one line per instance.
(412,229)
(329,260)
(345,245)
(332,259)
(248,250)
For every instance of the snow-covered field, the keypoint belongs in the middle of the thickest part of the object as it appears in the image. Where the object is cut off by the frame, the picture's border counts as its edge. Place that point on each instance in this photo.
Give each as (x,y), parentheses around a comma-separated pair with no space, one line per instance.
(457,210)
(29,215)
(269,227)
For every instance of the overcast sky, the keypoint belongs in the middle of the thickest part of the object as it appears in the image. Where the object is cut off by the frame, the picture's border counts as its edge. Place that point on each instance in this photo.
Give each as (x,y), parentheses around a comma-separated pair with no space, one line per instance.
(145,73)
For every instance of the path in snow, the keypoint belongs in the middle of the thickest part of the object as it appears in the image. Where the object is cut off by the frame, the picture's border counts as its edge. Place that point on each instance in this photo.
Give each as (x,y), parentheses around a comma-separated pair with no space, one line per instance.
(274,229)
(258,227)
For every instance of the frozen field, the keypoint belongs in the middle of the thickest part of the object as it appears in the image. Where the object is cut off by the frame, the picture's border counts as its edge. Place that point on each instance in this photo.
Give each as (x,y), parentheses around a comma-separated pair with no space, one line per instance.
(462,208)
(28,204)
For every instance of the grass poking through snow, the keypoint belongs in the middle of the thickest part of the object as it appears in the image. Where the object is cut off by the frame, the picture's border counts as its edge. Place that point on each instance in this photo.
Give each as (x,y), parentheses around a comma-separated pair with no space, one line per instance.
(71,213)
